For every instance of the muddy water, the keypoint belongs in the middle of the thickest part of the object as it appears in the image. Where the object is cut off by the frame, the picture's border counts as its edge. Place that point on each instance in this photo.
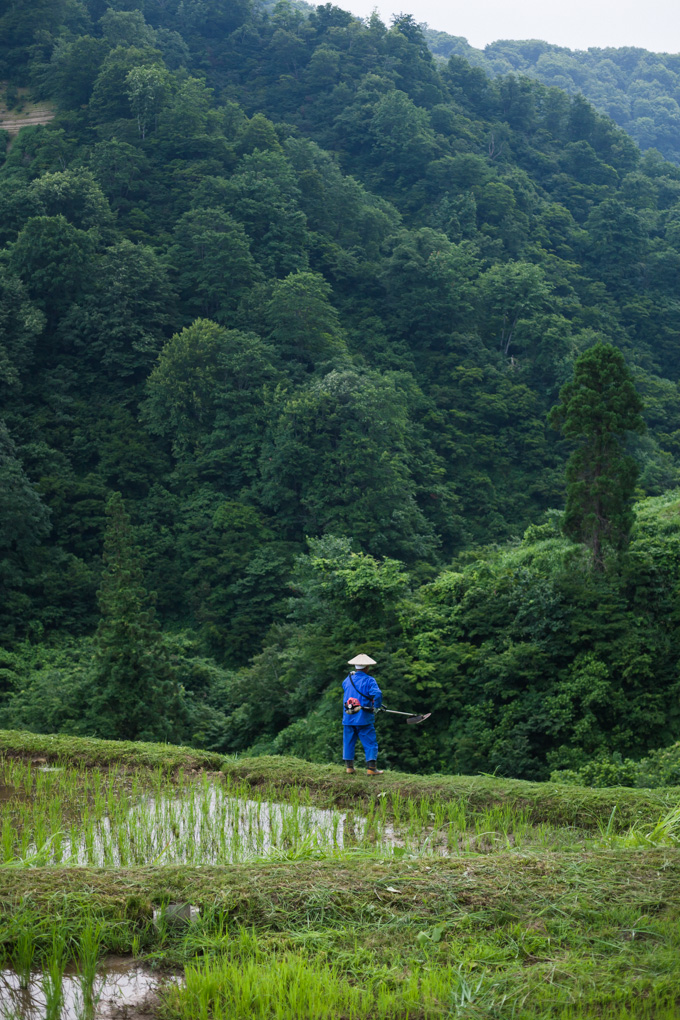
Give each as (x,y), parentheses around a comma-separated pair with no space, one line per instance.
(204,825)
(7,792)
(124,990)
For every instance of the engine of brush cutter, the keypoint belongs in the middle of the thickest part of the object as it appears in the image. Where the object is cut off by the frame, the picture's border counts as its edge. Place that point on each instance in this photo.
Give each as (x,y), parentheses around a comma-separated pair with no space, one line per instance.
(352,706)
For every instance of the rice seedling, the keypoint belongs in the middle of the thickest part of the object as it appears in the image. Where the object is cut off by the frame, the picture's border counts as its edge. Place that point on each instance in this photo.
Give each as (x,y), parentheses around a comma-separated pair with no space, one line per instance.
(89,947)
(52,979)
(23,955)
(290,986)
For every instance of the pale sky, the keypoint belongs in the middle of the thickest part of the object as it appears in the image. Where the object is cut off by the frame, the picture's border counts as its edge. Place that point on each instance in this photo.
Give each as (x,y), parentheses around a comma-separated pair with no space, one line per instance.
(578,24)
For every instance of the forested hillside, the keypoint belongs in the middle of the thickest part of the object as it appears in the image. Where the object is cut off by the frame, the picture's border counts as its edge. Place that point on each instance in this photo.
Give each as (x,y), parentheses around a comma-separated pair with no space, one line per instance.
(284,306)
(638,89)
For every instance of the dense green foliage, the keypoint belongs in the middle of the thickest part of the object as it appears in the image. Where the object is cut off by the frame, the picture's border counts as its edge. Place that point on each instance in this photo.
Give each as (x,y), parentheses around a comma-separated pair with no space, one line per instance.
(659,768)
(304,299)
(638,89)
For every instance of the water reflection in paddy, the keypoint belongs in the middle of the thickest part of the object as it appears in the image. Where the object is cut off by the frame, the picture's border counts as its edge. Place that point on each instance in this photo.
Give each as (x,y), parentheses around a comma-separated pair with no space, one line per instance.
(123,990)
(202,825)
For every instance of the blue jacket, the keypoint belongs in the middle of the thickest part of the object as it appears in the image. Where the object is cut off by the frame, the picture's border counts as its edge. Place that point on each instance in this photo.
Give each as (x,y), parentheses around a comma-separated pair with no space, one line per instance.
(369,694)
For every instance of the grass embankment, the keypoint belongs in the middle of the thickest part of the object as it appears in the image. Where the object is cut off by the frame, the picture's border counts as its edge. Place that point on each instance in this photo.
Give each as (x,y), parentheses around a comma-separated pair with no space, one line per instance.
(551,924)
(90,753)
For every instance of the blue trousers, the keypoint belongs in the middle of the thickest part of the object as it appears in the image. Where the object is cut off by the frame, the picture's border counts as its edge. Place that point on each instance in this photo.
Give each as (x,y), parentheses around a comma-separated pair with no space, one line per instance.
(367,736)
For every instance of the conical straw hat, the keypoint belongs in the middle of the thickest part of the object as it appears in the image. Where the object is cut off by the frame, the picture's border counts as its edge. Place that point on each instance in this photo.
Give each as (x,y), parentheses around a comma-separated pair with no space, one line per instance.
(362,660)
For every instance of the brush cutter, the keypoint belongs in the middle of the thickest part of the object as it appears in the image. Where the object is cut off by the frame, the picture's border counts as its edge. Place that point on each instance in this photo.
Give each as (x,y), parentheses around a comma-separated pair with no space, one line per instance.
(411,719)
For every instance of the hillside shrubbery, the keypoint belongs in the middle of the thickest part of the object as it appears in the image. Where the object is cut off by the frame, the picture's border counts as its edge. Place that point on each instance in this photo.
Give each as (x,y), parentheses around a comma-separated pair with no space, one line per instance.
(659,768)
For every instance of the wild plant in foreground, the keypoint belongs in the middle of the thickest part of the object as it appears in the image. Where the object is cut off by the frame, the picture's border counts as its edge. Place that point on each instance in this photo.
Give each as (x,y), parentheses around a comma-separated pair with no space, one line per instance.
(666,832)
(248,986)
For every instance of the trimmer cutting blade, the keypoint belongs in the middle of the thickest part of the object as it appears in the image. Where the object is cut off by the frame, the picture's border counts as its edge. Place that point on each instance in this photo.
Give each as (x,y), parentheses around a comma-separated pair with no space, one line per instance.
(413,719)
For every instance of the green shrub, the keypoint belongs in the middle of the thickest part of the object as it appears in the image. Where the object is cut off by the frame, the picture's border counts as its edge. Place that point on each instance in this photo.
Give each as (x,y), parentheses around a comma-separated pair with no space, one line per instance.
(659,768)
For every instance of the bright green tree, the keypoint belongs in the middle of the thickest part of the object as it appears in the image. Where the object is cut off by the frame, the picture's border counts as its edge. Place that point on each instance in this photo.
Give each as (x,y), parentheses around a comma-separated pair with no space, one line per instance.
(148,90)
(75,194)
(510,294)
(137,696)
(258,133)
(207,395)
(598,408)
(338,460)
(111,96)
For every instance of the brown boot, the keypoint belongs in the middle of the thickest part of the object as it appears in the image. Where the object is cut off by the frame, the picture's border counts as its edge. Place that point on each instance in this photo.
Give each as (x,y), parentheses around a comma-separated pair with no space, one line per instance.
(350,768)
(372,769)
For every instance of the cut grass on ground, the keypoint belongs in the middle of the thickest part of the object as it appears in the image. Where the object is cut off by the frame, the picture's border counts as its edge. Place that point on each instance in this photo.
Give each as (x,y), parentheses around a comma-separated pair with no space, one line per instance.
(590,935)
(90,753)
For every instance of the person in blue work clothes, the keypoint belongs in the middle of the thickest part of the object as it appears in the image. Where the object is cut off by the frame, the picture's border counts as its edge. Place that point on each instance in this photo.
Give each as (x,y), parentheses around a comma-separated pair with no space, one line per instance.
(361,696)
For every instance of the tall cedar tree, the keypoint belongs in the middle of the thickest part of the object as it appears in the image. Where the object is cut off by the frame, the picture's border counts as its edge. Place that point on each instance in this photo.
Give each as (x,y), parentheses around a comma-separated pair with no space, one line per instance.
(138,696)
(597,409)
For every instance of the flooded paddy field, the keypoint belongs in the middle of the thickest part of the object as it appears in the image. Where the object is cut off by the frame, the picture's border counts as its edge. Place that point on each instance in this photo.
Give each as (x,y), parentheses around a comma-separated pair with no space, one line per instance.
(62,815)
(276,890)
(121,989)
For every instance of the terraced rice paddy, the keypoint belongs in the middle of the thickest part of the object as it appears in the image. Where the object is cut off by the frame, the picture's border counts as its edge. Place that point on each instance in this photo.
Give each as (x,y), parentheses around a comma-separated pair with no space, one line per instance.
(64,816)
(273,889)
(121,818)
